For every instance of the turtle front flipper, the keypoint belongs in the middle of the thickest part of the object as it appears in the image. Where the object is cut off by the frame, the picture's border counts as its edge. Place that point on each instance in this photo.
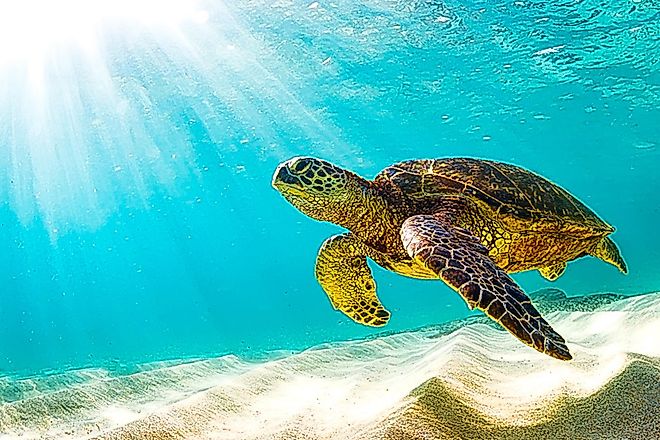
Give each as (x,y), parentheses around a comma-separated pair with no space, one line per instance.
(461,262)
(342,271)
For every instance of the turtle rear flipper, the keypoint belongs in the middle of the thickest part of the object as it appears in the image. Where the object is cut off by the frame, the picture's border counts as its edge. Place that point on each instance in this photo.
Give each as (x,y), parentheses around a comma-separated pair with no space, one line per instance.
(342,271)
(464,265)
(607,251)
(551,273)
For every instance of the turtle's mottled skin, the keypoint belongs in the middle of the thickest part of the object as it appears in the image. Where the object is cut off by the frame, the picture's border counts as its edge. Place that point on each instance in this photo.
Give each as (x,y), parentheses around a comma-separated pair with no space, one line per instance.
(466,221)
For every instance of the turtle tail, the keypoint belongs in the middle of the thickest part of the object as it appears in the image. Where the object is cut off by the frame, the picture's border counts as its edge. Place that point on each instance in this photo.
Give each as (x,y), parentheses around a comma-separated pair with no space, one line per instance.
(607,251)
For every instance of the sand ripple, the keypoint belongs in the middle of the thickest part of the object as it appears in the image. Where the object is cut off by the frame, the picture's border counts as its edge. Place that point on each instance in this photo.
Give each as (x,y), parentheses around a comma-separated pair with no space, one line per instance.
(464,380)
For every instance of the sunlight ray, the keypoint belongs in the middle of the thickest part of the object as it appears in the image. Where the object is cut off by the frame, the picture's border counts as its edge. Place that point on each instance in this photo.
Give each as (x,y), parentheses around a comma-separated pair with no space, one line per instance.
(94,95)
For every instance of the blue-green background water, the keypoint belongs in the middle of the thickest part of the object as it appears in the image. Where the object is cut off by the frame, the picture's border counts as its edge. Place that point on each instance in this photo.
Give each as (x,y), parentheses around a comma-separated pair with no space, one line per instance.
(137,220)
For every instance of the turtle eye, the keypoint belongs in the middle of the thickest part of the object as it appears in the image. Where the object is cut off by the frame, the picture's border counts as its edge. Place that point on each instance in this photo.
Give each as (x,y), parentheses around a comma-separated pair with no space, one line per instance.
(301,165)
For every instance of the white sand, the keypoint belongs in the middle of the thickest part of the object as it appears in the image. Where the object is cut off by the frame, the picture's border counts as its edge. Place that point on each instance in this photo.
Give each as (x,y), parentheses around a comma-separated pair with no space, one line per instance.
(477,382)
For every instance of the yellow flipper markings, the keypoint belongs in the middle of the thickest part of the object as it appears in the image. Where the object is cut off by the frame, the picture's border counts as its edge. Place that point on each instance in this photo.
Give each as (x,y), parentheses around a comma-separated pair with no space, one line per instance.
(553,272)
(342,271)
(607,251)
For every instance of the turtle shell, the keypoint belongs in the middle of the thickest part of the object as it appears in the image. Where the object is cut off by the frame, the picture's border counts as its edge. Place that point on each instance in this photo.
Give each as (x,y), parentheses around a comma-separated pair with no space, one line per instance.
(514,193)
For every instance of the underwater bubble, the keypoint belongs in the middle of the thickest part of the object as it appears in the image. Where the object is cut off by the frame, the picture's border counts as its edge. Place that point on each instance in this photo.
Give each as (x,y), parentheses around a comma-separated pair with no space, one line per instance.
(548,50)
(645,146)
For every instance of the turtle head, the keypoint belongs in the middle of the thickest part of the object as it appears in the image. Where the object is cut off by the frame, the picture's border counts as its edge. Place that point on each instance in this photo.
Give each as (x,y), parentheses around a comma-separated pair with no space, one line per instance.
(318,188)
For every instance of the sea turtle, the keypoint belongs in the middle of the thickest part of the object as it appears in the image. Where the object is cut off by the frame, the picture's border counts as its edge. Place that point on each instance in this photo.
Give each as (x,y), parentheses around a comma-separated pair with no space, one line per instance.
(467,221)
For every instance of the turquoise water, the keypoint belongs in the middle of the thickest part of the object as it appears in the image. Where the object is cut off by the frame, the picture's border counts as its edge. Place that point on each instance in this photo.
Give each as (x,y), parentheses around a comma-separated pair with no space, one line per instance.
(137,218)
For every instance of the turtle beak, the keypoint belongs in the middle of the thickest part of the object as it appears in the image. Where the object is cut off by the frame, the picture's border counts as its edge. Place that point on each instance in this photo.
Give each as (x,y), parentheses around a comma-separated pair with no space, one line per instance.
(283,177)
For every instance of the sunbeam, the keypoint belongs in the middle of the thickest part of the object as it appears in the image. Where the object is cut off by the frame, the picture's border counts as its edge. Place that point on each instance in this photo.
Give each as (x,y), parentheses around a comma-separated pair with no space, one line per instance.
(96,99)
(30,28)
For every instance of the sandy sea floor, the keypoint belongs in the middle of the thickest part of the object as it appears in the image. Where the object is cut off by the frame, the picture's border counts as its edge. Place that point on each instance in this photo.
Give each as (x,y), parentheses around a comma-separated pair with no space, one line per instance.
(461,380)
